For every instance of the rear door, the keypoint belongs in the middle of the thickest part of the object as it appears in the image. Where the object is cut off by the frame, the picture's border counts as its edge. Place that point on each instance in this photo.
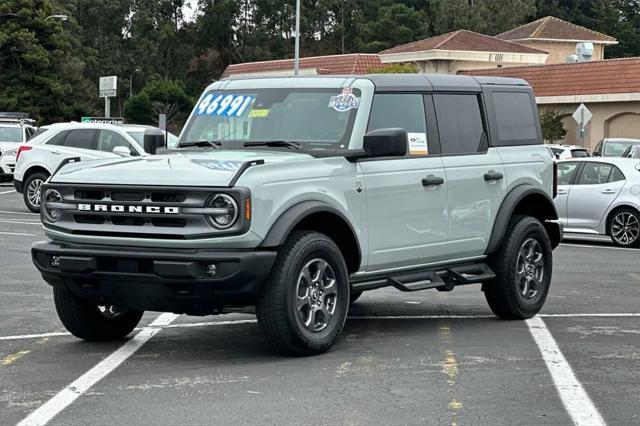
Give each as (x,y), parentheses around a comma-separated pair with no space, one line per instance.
(596,187)
(474,173)
(567,173)
(407,216)
(73,143)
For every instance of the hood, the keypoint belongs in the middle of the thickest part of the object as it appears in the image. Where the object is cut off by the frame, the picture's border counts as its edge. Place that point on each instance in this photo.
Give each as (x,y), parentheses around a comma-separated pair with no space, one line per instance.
(210,168)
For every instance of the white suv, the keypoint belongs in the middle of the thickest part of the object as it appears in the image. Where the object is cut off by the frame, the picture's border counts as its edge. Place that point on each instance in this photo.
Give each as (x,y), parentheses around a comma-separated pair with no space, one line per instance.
(565,152)
(41,156)
(15,129)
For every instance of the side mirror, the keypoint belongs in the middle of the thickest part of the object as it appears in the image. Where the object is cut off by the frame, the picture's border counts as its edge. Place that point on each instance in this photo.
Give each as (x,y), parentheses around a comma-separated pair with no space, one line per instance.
(390,142)
(153,139)
(122,151)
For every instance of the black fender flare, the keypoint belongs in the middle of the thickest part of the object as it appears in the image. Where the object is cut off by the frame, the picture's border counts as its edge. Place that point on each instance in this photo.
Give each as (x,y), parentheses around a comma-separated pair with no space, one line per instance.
(288,220)
(507,209)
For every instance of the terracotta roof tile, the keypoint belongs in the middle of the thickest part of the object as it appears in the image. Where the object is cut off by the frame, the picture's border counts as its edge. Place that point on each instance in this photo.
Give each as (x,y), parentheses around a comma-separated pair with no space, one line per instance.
(551,27)
(585,78)
(462,40)
(356,63)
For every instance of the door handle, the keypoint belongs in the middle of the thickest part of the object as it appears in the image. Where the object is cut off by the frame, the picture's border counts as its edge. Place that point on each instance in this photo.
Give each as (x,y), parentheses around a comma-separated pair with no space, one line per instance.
(432,180)
(492,175)
(55,152)
(608,191)
(562,191)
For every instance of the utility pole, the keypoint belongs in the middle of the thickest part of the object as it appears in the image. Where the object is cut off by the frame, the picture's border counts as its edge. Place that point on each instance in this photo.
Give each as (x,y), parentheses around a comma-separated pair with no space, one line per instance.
(296,60)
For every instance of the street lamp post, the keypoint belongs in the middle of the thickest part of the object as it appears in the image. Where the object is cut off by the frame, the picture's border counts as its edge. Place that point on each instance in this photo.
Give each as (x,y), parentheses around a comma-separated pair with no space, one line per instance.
(9,15)
(296,60)
(136,70)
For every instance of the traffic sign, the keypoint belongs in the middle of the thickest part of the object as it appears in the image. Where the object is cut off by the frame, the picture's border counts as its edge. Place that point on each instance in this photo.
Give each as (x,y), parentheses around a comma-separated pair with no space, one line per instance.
(112,93)
(582,115)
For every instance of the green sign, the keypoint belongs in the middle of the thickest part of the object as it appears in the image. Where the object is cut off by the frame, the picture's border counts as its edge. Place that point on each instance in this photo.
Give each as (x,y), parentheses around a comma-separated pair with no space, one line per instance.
(102,120)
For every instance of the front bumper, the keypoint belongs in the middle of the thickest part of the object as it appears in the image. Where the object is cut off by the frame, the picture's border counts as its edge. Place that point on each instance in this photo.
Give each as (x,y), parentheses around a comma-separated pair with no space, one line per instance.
(155,279)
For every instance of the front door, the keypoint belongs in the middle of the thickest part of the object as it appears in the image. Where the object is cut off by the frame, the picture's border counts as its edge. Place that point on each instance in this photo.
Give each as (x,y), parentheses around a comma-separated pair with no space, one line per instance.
(566,177)
(595,189)
(407,196)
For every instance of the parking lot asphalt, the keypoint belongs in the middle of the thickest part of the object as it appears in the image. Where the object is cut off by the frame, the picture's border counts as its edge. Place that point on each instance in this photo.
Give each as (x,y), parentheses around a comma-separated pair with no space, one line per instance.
(404,358)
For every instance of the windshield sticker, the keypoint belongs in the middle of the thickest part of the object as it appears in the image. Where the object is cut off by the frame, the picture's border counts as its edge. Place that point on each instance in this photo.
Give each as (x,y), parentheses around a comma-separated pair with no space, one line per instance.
(418,144)
(224,105)
(228,165)
(344,101)
(259,113)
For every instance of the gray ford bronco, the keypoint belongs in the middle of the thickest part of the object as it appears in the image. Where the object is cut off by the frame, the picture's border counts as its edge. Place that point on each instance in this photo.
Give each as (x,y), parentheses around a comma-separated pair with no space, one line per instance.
(295,195)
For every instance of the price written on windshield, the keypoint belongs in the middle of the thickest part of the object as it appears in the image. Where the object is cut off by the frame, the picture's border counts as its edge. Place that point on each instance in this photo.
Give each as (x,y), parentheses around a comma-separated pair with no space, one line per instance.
(224,105)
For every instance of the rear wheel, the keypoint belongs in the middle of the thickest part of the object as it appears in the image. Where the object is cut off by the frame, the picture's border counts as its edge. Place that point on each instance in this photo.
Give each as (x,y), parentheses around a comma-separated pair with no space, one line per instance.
(304,304)
(93,322)
(523,267)
(31,190)
(624,228)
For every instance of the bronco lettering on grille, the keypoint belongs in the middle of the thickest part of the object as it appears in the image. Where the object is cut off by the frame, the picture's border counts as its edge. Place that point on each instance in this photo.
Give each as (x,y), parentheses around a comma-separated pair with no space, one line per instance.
(118,208)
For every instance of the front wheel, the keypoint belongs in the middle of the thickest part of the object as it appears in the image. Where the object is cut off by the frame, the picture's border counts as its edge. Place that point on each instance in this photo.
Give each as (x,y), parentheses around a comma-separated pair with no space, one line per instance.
(523,267)
(304,304)
(93,322)
(624,228)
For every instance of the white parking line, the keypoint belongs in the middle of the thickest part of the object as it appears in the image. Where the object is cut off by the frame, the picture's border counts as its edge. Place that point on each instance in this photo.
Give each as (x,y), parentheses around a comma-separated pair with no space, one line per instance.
(21,222)
(7,192)
(20,213)
(45,413)
(20,234)
(370,317)
(574,398)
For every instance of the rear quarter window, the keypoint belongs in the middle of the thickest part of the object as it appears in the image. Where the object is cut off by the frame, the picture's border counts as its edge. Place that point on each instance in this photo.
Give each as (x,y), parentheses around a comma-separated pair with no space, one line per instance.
(515,118)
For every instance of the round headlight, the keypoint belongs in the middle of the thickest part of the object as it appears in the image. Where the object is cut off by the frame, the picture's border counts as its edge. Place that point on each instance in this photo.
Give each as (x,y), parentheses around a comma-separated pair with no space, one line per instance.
(227,204)
(51,196)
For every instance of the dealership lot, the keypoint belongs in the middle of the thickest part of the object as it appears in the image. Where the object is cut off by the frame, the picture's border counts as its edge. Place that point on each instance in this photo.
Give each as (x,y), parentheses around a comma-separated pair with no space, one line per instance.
(404,358)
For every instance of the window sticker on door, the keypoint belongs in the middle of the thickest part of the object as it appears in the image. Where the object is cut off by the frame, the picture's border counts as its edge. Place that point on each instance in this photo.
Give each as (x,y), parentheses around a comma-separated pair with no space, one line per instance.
(344,101)
(418,144)
(226,105)
(259,113)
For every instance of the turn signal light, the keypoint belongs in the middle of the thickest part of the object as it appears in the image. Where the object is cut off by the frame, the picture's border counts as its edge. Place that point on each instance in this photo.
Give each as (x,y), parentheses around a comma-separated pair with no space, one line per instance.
(247,209)
(22,148)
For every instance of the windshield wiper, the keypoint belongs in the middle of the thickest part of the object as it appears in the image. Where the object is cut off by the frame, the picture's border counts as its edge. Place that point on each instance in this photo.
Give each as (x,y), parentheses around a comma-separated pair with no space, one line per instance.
(288,144)
(214,144)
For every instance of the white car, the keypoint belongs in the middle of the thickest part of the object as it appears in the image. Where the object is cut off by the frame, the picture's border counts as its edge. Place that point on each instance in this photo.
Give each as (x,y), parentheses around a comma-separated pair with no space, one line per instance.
(15,129)
(600,195)
(41,156)
(565,152)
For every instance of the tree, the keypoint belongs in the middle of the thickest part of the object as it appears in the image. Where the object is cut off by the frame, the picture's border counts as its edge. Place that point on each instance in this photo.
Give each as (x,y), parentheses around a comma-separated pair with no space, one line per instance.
(396,69)
(552,127)
(394,25)
(159,97)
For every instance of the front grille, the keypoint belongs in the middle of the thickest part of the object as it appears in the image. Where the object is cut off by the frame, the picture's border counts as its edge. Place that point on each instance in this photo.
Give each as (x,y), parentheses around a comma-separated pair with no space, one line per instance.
(140,212)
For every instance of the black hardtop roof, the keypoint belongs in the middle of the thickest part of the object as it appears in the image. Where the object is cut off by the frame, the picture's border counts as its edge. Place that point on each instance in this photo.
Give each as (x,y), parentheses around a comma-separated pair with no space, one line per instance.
(411,82)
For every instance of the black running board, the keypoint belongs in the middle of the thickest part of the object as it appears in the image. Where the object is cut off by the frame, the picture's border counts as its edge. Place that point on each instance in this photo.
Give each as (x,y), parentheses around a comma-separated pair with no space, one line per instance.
(444,279)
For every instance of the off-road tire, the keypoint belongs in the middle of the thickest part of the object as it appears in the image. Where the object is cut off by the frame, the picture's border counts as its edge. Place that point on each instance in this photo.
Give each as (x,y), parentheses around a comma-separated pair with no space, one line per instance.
(355,295)
(275,307)
(85,321)
(25,190)
(503,293)
(631,219)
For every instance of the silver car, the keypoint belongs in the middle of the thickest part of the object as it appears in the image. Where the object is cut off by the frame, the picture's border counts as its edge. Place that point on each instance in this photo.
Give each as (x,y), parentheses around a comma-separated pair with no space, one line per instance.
(601,196)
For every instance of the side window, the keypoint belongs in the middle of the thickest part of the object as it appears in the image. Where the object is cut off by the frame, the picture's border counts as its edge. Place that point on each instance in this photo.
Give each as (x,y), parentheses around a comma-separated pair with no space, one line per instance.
(405,111)
(84,138)
(459,123)
(595,174)
(58,139)
(515,117)
(108,140)
(566,172)
(29,132)
(616,175)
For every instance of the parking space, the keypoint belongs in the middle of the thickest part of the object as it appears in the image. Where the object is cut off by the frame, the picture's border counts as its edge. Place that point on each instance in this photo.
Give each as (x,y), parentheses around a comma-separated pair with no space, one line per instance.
(403,358)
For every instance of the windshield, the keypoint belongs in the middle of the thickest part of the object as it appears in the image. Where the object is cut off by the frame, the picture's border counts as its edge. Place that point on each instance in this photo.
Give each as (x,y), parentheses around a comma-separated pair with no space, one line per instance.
(616,148)
(10,134)
(314,118)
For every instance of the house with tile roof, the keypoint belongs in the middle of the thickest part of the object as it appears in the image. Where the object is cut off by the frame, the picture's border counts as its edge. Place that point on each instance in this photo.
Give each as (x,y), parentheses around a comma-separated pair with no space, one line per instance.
(461,50)
(558,37)
(609,88)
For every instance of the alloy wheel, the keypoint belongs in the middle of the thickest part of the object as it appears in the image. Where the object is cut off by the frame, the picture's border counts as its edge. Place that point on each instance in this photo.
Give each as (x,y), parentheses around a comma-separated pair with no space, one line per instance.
(111,311)
(625,228)
(33,192)
(530,269)
(316,295)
